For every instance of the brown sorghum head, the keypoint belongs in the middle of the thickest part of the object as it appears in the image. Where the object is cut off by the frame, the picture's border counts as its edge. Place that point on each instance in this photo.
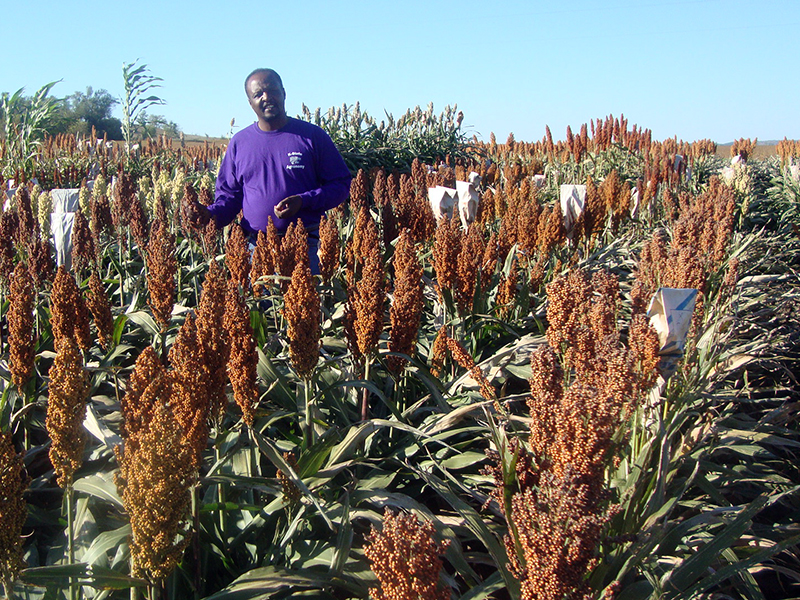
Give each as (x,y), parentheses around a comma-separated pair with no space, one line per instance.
(302,313)
(438,352)
(294,250)
(13,508)
(644,346)
(237,257)
(405,313)
(262,266)
(8,228)
(274,243)
(162,267)
(21,327)
(212,337)
(468,267)
(446,247)
(462,357)
(84,253)
(42,266)
(139,222)
(291,493)
(101,221)
(69,316)
(243,357)
(329,248)
(380,188)
(359,190)
(99,306)
(367,294)
(28,225)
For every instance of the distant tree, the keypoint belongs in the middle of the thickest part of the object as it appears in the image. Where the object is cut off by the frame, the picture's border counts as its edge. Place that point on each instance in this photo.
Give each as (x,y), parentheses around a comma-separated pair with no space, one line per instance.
(82,111)
(151,126)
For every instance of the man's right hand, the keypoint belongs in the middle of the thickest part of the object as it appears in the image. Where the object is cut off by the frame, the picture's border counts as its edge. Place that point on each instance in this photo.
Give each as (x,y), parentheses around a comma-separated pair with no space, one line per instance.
(198,215)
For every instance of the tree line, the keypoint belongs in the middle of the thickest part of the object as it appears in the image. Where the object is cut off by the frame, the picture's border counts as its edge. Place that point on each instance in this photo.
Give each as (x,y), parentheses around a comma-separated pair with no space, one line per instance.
(80,113)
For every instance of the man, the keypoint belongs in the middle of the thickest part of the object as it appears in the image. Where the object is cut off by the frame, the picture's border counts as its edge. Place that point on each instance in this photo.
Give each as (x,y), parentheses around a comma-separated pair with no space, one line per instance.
(278,167)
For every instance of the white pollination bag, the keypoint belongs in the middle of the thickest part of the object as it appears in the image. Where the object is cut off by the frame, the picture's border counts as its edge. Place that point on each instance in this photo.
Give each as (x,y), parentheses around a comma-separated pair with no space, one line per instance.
(670,313)
(442,200)
(65,203)
(573,200)
(468,199)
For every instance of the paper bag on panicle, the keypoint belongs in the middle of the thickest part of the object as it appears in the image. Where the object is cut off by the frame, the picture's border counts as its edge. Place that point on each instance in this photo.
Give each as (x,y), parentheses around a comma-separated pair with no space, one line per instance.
(442,200)
(573,199)
(670,313)
(65,203)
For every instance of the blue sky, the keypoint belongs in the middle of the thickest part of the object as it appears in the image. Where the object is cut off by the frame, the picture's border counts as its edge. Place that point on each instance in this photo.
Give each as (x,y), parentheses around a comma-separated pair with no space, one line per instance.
(695,69)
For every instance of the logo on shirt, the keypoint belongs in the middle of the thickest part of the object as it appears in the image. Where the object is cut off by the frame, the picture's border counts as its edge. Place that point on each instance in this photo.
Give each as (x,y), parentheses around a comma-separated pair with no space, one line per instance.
(295,160)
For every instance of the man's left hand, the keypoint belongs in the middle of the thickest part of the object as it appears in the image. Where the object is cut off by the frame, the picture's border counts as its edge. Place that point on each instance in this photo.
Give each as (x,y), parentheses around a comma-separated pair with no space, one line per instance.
(288,207)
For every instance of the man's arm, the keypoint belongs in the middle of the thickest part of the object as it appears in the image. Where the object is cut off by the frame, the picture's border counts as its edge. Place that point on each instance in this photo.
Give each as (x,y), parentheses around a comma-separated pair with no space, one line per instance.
(229,193)
(332,174)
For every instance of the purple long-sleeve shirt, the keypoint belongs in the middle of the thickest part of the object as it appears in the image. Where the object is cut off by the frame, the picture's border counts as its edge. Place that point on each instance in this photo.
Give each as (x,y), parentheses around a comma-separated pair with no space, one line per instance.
(261,168)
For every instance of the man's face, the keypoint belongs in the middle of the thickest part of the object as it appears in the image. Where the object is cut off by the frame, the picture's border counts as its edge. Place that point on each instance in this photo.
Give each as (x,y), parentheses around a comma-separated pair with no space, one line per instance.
(267,97)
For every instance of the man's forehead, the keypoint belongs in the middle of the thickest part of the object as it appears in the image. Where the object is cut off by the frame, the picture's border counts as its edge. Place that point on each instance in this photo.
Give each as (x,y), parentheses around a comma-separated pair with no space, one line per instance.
(264,79)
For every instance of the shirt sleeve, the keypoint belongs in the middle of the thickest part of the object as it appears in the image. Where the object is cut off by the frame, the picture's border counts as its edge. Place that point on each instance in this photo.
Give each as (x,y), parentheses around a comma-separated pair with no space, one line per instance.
(229,191)
(333,177)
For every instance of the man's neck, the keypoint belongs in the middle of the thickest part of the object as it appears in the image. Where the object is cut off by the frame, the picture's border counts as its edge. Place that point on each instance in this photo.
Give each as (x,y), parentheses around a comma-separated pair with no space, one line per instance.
(273,124)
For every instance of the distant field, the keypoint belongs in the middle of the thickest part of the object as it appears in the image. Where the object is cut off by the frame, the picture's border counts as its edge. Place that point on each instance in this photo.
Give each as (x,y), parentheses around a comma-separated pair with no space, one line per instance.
(763,150)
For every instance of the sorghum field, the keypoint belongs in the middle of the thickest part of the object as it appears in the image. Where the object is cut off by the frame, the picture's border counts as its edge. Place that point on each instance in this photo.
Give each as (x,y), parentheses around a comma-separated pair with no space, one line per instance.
(443,413)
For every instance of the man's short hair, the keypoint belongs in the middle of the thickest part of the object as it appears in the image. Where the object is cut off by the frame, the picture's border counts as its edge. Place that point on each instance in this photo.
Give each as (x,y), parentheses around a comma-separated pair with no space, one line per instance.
(262,72)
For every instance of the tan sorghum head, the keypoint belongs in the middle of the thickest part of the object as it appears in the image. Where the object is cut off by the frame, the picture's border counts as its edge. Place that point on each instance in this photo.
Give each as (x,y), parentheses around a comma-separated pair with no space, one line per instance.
(406,559)
(66,410)
(191,398)
(136,414)
(155,476)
